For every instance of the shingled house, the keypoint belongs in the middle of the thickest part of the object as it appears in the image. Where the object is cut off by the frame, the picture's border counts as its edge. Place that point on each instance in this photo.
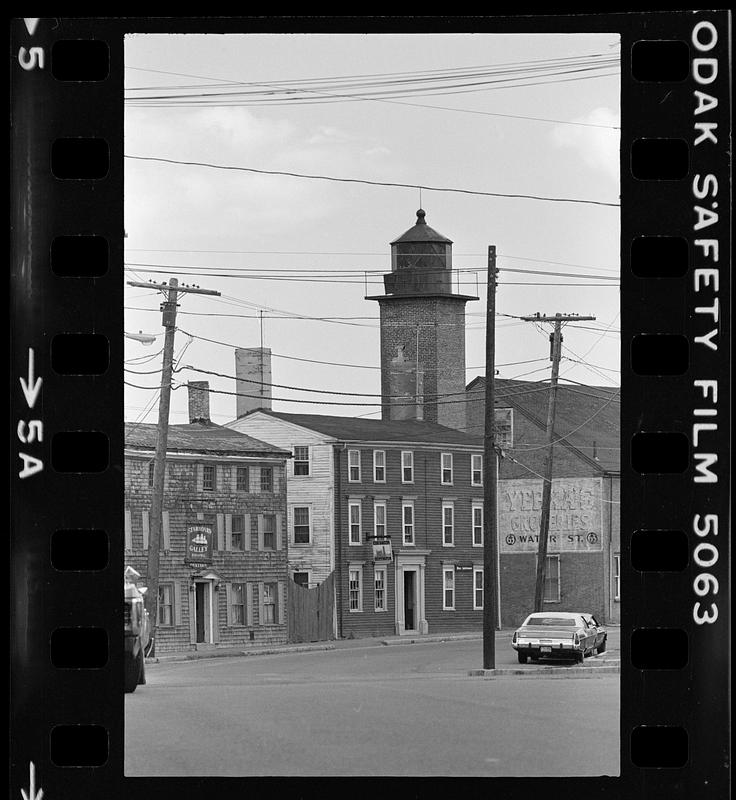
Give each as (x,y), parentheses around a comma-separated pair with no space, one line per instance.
(583,561)
(223,561)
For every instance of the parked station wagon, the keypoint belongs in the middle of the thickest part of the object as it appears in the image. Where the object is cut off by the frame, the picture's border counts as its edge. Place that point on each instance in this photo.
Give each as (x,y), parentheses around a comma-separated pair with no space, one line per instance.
(558,634)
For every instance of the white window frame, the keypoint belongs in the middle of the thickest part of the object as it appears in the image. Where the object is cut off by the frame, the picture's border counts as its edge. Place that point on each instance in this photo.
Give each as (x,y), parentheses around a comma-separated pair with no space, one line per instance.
(377,466)
(163,588)
(617,577)
(376,505)
(384,588)
(308,461)
(410,466)
(302,572)
(476,589)
(352,466)
(476,506)
(448,505)
(212,467)
(355,504)
(238,472)
(404,505)
(553,559)
(445,572)
(243,604)
(358,570)
(476,458)
(443,468)
(293,524)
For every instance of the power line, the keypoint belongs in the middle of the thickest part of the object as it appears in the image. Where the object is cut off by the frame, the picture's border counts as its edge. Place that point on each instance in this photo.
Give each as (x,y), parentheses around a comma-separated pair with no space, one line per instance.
(391,184)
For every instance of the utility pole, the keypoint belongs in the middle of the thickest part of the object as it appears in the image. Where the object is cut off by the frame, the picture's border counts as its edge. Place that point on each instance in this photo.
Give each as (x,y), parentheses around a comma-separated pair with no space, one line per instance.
(168,311)
(555,355)
(490,476)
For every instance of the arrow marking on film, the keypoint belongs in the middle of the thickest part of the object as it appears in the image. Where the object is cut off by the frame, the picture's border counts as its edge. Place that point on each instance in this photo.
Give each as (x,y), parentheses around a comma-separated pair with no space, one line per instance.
(31,24)
(32,794)
(32,387)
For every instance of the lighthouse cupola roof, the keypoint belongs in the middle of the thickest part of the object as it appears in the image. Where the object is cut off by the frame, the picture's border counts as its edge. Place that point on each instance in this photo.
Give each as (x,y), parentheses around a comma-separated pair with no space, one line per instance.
(421,232)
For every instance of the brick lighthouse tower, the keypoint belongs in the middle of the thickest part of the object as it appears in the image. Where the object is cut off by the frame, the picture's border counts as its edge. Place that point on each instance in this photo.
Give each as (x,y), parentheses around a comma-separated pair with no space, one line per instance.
(422,331)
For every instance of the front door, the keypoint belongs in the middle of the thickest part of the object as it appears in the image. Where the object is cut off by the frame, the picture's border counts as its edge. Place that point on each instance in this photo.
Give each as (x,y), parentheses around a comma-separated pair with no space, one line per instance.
(201,611)
(410,600)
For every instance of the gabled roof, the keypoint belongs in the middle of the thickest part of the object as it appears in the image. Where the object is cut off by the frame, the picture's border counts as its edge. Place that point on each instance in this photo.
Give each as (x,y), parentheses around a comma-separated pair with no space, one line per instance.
(355,429)
(588,417)
(199,437)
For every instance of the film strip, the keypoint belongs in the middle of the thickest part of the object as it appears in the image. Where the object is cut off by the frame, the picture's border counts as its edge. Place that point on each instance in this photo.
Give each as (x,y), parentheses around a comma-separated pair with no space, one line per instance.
(66,387)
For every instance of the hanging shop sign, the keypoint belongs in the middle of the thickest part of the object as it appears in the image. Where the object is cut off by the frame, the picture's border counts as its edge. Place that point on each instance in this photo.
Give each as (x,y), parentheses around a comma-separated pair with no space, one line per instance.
(199,545)
(575,518)
(382,550)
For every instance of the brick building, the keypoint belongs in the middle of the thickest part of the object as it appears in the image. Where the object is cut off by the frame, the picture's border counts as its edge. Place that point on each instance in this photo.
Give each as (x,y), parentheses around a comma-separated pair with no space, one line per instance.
(395,508)
(583,561)
(422,331)
(223,561)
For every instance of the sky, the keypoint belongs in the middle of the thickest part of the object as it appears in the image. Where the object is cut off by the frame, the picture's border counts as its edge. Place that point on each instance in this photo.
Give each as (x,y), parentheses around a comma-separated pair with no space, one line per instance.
(281,248)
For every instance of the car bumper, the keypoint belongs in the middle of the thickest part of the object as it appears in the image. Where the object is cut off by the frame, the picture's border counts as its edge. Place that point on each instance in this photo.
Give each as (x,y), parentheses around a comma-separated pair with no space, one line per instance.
(561,650)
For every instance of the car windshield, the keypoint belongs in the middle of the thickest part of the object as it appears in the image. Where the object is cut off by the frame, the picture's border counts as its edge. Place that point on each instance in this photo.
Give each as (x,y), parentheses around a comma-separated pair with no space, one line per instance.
(557,622)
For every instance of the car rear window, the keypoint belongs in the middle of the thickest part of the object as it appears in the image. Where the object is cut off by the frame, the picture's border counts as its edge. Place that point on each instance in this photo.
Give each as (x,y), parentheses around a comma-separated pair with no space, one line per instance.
(557,622)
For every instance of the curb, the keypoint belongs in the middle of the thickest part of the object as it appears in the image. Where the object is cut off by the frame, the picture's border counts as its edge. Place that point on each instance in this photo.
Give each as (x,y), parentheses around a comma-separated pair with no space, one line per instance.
(197,656)
(450,637)
(589,671)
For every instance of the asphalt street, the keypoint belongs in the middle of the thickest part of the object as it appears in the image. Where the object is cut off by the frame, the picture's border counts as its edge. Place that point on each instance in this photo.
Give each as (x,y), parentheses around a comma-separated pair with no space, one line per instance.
(403,710)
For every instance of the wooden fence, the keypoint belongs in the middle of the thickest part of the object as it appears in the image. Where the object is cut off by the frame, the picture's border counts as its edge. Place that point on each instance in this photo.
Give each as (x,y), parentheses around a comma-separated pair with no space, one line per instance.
(311,611)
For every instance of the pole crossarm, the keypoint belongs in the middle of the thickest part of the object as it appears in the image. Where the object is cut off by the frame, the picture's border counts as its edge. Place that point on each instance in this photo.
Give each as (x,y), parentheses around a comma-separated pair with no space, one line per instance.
(180,288)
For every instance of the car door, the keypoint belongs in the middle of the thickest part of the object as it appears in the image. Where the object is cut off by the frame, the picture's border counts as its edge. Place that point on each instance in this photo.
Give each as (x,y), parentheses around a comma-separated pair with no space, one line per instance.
(600,631)
(591,632)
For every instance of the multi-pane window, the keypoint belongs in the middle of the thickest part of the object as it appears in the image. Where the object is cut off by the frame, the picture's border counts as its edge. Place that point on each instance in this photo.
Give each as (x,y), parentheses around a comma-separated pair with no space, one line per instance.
(476,470)
(477,524)
(165,604)
(301,460)
(477,588)
(446,460)
(354,510)
(407,466)
(448,588)
(355,593)
(209,477)
(237,532)
(269,604)
(266,479)
(354,466)
(407,521)
(379,466)
(301,525)
(150,473)
(380,588)
(379,519)
(237,603)
(448,524)
(242,484)
(552,580)
(269,532)
(301,579)
(616,577)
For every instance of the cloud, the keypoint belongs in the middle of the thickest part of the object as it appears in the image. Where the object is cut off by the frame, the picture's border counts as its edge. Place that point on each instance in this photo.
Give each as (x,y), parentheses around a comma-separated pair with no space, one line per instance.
(598,148)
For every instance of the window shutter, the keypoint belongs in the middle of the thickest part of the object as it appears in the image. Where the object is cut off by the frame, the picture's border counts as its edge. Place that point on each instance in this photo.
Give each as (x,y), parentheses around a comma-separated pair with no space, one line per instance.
(215,615)
(229,601)
(200,476)
(255,480)
(177,603)
(192,619)
(166,530)
(279,531)
(282,602)
(220,530)
(260,531)
(128,530)
(261,613)
(246,526)
(249,603)
(146,529)
(228,544)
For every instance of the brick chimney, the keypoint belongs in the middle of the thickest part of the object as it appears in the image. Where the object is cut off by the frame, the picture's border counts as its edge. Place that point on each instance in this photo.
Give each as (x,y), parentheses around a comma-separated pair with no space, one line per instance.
(199,401)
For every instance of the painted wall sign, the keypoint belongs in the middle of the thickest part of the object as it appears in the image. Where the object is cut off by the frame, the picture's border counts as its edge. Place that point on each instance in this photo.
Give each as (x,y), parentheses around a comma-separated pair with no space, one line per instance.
(199,545)
(504,428)
(575,521)
(382,551)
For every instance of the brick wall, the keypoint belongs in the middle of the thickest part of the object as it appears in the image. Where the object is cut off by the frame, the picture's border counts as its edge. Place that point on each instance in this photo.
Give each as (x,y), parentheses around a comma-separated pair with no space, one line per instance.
(185,502)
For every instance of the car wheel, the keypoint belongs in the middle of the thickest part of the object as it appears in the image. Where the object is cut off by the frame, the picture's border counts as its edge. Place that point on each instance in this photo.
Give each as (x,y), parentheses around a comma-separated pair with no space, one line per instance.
(132,673)
(602,647)
(522,658)
(580,657)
